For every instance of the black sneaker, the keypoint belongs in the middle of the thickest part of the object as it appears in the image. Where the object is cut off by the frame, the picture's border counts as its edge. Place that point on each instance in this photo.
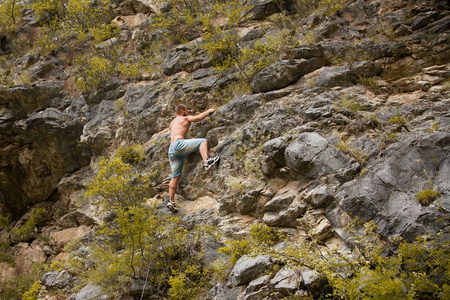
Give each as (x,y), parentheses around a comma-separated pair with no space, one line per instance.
(211,162)
(172,206)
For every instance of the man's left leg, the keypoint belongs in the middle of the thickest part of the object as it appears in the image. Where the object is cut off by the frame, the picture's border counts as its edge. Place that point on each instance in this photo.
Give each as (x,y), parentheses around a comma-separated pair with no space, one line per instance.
(173,187)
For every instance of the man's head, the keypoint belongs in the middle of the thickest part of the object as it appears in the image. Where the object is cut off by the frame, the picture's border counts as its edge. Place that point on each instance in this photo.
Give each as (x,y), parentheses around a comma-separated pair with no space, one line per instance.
(181,109)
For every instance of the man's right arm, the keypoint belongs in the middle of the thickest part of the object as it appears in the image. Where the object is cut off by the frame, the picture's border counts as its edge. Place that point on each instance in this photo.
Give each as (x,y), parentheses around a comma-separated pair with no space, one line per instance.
(200,116)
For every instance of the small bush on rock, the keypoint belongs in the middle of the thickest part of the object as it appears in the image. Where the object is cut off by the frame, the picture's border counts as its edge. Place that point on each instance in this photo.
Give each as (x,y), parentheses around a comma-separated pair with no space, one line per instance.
(132,155)
(93,71)
(116,183)
(140,243)
(10,14)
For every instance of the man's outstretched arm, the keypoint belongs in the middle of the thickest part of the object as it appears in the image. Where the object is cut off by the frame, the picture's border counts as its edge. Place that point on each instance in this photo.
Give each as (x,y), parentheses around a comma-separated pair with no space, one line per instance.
(200,116)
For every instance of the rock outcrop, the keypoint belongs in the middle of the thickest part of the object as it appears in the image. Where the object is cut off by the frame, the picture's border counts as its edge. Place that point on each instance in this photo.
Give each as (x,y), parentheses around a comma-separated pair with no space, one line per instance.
(352,121)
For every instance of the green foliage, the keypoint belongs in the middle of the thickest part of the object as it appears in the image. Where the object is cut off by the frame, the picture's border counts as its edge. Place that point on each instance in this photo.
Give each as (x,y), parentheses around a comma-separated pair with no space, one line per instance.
(24,286)
(131,155)
(117,184)
(326,7)
(220,45)
(143,244)
(374,269)
(426,196)
(6,254)
(350,103)
(329,7)
(32,293)
(93,71)
(346,147)
(5,220)
(53,8)
(84,16)
(261,236)
(370,82)
(25,231)
(10,14)
(398,119)
(129,70)
(79,17)
(216,20)
(189,284)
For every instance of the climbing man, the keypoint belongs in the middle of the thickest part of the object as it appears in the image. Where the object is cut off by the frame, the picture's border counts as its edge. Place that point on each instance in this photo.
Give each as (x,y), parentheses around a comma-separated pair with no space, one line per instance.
(180,147)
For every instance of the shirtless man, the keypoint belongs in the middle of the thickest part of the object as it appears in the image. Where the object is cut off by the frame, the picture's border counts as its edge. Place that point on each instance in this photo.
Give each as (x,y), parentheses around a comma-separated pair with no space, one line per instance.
(180,147)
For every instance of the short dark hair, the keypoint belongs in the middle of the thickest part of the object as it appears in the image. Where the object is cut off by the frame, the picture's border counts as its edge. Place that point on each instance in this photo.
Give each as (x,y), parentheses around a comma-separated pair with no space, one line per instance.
(180,107)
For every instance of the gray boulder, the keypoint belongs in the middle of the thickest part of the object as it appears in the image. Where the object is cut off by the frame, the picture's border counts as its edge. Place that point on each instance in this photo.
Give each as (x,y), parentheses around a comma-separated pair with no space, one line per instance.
(174,62)
(285,281)
(59,279)
(247,269)
(366,69)
(387,192)
(305,52)
(275,149)
(312,155)
(283,73)
(98,131)
(336,76)
(89,292)
(241,108)
(199,85)
(320,197)
(257,284)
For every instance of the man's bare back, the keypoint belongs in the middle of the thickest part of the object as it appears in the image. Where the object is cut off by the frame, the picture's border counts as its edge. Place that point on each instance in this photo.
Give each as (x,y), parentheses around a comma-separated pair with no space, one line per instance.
(179,128)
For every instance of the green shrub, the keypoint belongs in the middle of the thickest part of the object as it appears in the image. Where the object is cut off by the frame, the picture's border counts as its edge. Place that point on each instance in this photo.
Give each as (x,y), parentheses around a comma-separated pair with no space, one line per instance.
(93,71)
(32,293)
(347,148)
(25,231)
(261,236)
(84,16)
(24,286)
(116,184)
(426,196)
(79,17)
(129,70)
(10,14)
(132,155)
(221,45)
(419,270)
(146,245)
(350,103)
(398,119)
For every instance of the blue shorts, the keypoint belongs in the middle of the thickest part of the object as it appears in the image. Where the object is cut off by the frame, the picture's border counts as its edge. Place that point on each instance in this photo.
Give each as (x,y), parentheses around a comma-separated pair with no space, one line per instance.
(178,152)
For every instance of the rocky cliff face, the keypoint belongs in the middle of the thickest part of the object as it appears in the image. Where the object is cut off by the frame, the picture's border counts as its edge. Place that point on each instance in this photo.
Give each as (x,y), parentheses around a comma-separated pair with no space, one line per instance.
(348,125)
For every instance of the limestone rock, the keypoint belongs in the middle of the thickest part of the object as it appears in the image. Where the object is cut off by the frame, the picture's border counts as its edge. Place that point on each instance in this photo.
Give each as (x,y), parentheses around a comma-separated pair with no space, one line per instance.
(283,73)
(311,155)
(247,269)
(336,76)
(386,194)
(241,107)
(59,279)
(285,281)
(89,292)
